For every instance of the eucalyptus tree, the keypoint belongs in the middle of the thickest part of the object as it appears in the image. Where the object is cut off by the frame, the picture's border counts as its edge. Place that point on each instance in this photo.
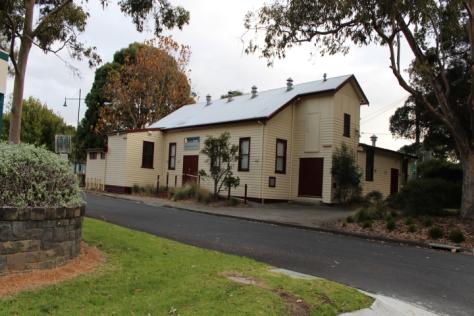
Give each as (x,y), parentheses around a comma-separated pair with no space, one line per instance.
(54,25)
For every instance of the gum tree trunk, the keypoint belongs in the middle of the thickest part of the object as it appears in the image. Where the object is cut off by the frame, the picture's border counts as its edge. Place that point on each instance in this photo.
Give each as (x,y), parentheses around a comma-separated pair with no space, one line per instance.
(18,87)
(467,204)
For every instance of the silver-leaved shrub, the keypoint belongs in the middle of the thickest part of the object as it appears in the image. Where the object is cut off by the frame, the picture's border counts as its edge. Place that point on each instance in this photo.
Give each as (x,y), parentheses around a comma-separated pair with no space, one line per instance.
(33,176)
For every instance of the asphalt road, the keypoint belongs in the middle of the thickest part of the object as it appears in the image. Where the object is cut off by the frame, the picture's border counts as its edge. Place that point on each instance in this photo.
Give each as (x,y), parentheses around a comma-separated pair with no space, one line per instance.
(439,281)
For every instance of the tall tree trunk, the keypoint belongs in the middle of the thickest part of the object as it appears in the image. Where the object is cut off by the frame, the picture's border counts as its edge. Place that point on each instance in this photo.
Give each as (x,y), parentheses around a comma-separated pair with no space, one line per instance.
(467,205)
(19,84)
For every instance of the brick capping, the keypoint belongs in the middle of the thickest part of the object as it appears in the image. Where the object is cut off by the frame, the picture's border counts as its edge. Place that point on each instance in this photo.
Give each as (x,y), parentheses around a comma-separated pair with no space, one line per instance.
(39,238)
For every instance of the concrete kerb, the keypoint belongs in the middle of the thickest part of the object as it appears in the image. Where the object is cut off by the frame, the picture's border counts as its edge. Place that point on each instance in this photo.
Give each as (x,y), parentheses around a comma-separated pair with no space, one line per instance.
(290,225)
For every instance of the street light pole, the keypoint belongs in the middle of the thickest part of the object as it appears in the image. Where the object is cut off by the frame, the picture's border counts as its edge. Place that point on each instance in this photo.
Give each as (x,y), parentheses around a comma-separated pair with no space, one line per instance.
(77,126)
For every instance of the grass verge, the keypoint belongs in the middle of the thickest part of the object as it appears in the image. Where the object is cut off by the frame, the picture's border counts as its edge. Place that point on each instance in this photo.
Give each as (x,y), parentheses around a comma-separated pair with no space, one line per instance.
(147,275)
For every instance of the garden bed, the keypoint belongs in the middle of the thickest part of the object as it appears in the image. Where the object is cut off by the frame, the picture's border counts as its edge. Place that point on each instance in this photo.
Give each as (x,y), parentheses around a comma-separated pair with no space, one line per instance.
(403,229)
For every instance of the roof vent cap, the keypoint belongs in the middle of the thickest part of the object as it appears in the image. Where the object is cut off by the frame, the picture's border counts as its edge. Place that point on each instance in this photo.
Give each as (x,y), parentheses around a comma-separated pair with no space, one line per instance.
(208,99)
(289,84)
(325,77)
(254,91)
(229,96)
(373,138)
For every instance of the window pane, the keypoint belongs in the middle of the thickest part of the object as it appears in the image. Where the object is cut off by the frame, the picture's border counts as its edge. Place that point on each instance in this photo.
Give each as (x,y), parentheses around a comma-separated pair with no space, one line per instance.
(244,149)
(279,164)
(173,150)
(280,149)
(244,162)
(172,162)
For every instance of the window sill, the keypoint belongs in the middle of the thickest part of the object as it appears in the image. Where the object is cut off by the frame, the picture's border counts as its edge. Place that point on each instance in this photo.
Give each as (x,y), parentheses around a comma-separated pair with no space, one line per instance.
(147,167)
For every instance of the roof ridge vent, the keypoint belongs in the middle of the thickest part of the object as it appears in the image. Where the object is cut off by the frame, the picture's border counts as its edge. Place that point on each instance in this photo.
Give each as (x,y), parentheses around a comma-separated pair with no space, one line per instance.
(230,95)
(254,91)
(208,99)
(289,84)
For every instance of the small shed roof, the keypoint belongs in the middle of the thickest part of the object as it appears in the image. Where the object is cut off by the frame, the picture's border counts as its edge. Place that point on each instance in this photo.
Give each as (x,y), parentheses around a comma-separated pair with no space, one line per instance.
(244,107)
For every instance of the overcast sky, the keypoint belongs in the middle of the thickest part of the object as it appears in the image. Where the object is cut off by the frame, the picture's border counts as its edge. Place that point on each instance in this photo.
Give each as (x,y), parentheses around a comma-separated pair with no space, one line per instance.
(219,64)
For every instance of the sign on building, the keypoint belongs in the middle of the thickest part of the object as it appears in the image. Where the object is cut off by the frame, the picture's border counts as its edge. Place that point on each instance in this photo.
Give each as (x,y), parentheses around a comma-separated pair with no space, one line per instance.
(62,144)
(3,83)
(191,143)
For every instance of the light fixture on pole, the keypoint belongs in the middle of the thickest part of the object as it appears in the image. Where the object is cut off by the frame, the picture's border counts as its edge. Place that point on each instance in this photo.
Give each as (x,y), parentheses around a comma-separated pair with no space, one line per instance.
(79,99)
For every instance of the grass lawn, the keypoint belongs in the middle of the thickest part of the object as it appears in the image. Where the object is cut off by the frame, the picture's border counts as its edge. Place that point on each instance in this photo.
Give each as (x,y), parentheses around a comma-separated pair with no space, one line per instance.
(146,275)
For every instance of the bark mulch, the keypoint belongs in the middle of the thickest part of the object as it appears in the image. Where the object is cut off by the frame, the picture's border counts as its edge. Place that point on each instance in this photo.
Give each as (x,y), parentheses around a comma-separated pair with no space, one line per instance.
(378,229)
(87,262)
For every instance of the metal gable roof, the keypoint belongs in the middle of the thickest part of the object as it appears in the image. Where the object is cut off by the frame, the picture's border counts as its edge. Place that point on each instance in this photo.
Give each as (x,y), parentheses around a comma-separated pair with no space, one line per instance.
(244,107)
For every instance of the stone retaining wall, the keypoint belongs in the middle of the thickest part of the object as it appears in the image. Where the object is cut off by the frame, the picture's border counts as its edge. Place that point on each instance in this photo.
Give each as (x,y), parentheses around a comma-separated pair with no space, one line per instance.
(38,238)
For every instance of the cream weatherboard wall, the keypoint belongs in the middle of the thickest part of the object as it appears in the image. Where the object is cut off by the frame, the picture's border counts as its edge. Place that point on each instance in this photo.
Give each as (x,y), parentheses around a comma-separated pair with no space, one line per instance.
(116,160)
(383,163)
(95,173)
(135,174)
(238,130)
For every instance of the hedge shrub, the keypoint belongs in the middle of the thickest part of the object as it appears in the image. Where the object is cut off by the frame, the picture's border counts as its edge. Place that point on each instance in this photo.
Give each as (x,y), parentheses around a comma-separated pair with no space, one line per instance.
(427,196)
(35,177)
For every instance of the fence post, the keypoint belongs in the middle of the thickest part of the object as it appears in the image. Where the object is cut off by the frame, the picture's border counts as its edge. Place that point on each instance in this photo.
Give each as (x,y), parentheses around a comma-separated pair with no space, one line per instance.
(176,181)
(167,181)
(157,184)
(228,193)
(245,194)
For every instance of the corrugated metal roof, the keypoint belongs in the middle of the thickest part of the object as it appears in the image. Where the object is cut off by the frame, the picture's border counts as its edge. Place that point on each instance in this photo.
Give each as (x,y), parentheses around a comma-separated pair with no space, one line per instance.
(244,107)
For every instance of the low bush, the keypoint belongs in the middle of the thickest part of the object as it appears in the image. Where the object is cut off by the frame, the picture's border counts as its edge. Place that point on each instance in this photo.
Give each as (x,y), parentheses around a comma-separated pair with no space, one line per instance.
(204,196)
(362,215)
(412,228)
(350,219)
(427,221)
(440,169)
(233,201)
(367,224)
(436,232)
(427,196)
(456,236)
(36,177)
(185,193)
(390,225)
(408,221)
(374,197)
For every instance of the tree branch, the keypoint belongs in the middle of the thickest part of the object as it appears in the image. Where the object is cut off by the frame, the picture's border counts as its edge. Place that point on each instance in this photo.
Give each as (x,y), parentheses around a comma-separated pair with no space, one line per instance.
(45,19)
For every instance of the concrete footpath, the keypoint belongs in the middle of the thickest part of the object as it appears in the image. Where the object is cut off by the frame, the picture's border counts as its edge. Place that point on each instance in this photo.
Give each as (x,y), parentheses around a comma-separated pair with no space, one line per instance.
(309,216)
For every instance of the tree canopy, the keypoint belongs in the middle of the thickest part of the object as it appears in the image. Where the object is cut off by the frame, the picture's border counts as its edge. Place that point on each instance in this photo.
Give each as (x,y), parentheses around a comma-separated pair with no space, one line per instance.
(40,124)
(149,85)
(53,25)
(436,32)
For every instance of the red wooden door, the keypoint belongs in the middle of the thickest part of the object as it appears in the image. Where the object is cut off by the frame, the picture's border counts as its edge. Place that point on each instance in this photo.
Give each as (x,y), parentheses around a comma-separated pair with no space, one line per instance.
(311,177)
(190,169)
(393,181)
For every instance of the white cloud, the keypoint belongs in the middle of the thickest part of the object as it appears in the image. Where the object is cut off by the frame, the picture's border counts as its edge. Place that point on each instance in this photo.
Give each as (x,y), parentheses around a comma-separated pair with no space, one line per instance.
(218,62)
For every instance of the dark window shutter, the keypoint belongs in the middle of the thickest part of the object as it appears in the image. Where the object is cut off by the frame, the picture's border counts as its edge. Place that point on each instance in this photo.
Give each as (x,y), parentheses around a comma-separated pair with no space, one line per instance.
(347,125)
(147,154)
(369,164)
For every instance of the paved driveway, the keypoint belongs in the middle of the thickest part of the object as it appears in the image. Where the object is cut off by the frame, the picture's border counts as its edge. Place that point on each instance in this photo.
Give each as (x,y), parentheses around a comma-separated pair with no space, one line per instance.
(440,281)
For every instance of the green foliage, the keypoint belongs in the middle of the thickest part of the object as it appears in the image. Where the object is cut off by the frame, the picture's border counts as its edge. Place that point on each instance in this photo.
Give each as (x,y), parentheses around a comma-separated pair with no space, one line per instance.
(427,196)
(409,221)
(350,219)
(367,224)
(427,221)
(221,156)
(390,224)
(440,169)
(39,124)
(346,175)
(436,232)
(233,201)
(33,176)
(192,191)
(145,190)
(456,236)
(411,228)
(374,197)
